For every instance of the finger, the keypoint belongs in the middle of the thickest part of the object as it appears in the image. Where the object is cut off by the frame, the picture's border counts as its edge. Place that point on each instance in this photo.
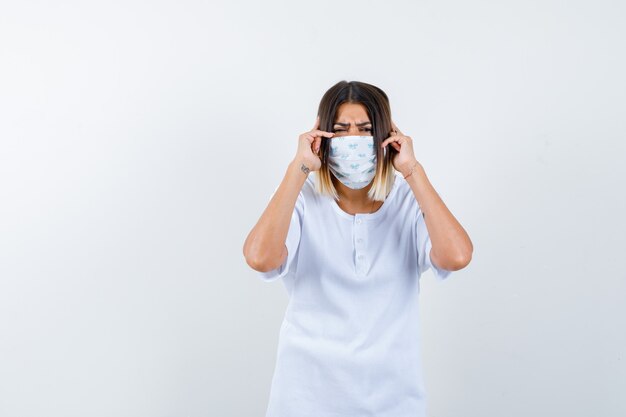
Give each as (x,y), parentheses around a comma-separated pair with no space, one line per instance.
(394,141)
(389,140)
(395,127)
(395,145)
(321,133)
(317,123)
(317,143)
(315,140)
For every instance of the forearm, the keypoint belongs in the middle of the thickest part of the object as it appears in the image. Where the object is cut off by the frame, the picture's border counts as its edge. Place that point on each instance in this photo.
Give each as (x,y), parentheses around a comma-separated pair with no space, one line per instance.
(451,245)
(264,248)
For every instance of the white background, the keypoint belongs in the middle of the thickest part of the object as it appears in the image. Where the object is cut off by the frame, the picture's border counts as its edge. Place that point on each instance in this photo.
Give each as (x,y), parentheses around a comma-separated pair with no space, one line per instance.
(140,141)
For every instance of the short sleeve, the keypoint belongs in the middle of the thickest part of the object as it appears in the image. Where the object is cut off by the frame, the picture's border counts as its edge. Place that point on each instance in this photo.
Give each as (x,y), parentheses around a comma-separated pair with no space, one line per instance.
(424,245)
(292,242)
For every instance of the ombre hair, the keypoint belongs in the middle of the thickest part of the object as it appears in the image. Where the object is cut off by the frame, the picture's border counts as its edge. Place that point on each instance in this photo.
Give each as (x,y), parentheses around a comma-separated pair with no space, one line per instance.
(376,103)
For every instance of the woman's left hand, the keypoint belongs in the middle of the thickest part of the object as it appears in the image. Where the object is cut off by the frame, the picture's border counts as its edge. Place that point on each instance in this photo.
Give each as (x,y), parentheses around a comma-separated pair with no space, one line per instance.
(405,159)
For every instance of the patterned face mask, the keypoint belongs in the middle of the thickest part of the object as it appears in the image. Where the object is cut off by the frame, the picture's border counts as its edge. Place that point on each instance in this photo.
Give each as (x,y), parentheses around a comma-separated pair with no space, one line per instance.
(352,160)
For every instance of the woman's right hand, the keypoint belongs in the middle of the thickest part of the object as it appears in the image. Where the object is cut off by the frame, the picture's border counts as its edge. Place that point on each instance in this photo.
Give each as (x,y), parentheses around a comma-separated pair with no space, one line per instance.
(309,145)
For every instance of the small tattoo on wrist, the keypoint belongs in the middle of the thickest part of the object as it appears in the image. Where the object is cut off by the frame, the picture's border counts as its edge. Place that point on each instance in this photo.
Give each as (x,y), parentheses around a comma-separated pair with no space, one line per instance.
(305,169)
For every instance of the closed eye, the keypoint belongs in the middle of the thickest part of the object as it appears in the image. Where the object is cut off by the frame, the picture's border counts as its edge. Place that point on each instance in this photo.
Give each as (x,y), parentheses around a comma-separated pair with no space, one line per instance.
(343,130)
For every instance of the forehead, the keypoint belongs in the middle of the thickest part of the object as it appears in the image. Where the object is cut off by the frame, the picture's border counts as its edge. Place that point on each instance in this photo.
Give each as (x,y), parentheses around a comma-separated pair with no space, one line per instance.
(351,112)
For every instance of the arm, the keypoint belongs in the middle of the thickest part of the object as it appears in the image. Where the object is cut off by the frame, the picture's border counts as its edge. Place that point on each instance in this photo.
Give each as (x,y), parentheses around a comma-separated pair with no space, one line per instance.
(264,248)
(451,246)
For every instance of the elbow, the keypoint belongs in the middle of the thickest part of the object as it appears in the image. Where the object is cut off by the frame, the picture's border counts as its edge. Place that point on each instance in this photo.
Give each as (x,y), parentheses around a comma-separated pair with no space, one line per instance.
(454,263)
(261,265)
(463,256)
(258,259)
(461,261)
(257,264)
(253,259)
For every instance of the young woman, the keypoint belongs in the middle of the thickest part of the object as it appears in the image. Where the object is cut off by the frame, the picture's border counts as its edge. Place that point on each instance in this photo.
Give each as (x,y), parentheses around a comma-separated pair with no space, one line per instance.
(350,229)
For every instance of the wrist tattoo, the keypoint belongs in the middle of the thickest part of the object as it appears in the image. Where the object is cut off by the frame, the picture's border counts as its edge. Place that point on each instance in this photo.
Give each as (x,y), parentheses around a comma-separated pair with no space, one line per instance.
(305,169)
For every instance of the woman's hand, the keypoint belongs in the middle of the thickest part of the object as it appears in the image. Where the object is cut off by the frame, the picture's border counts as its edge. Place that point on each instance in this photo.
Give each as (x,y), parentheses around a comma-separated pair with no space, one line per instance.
(405,159)
(309,145)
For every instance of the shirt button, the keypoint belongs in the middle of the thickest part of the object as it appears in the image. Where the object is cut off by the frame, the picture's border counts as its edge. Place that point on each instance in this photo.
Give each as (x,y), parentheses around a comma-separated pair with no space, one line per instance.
(361,256)
(358,221)
(359,240)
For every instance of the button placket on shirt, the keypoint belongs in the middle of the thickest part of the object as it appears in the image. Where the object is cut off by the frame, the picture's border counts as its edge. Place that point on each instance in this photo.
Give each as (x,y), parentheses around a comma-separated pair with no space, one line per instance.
(360,240)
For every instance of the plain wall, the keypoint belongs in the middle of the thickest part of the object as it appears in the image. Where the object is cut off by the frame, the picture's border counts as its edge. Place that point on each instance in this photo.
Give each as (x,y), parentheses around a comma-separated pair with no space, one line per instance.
(140,142)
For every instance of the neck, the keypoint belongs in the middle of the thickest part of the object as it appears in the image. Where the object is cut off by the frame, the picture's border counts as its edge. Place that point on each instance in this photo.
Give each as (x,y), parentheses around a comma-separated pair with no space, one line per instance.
(351,196)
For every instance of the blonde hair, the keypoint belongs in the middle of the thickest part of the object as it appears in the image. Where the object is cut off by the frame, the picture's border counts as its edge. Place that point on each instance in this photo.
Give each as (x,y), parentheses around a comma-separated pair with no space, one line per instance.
(380,188)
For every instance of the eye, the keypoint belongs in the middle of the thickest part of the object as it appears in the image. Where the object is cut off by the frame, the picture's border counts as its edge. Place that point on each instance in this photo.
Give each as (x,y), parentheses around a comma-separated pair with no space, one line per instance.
(343,130)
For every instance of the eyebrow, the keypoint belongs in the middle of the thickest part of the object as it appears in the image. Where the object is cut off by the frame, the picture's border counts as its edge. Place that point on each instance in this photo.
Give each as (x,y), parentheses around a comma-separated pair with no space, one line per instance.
(358,124)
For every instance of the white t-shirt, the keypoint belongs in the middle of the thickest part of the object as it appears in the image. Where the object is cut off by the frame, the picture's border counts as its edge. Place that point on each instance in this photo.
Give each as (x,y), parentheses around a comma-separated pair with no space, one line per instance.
(349,341)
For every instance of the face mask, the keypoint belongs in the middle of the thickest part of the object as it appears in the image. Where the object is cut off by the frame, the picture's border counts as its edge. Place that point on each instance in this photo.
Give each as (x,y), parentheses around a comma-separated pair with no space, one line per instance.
(352,160)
